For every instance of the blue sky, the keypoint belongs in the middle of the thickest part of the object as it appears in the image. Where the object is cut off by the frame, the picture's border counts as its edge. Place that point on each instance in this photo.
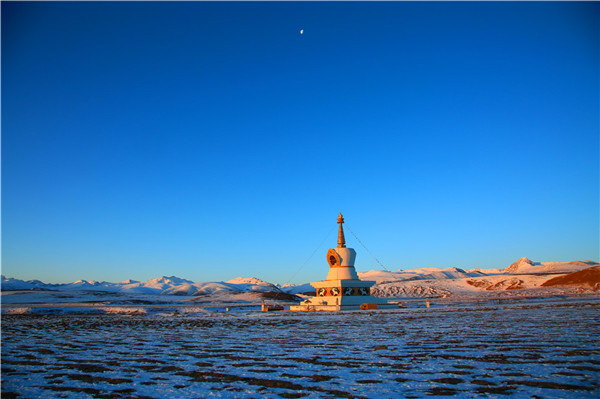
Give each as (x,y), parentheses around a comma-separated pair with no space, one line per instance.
(213,140)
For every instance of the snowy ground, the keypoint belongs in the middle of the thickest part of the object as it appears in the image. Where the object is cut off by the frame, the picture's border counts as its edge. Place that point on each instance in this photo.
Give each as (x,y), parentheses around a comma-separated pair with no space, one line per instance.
(102,302)
(528,348)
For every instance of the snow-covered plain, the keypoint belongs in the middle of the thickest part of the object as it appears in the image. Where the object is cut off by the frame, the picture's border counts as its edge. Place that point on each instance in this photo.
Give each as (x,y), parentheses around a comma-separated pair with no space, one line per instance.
(541,347)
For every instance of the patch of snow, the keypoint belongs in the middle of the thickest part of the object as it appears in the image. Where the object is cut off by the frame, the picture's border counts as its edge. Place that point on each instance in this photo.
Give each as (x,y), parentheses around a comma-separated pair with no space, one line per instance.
(124,310)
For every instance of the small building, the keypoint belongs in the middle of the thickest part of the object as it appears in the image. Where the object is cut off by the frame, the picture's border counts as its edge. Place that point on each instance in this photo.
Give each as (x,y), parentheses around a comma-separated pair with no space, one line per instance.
(342,290)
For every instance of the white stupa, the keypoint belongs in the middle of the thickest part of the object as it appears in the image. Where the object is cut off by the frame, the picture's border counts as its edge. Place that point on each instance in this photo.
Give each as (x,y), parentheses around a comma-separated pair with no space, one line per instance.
(342,290)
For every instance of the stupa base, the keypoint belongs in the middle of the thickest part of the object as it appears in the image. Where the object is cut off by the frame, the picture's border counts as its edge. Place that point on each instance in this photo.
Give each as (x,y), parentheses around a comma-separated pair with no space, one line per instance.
(336,308)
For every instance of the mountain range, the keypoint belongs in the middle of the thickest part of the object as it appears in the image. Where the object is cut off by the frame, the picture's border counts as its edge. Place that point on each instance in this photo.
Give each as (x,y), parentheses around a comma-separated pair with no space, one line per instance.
(522,274)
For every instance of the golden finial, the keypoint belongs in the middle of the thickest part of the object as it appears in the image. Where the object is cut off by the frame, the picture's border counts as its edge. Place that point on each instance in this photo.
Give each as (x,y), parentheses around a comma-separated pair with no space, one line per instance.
(341,239)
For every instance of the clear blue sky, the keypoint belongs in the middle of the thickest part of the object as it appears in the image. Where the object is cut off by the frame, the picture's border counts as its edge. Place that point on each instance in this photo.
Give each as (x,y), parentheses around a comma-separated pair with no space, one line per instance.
(213,140)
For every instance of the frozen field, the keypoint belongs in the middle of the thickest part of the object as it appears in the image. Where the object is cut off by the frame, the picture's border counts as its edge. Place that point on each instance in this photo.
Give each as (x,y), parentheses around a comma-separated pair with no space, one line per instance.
(527,349)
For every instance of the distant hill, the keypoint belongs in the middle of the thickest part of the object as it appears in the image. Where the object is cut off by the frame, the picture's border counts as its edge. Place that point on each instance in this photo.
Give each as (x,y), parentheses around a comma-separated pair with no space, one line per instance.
(589,277)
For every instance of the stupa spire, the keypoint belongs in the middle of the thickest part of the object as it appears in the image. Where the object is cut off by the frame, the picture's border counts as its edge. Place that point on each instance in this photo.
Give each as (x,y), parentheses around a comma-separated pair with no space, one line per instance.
(341,239)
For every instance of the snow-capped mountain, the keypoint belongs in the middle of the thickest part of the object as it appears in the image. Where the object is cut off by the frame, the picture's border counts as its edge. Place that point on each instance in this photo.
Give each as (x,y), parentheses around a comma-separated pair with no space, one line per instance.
(522,274)
(297,289)
(253,284)
(161,285)
(429,281)
(426,273)
(527,266)
(239,284)
(155,286)
(520,264)
(13,284)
